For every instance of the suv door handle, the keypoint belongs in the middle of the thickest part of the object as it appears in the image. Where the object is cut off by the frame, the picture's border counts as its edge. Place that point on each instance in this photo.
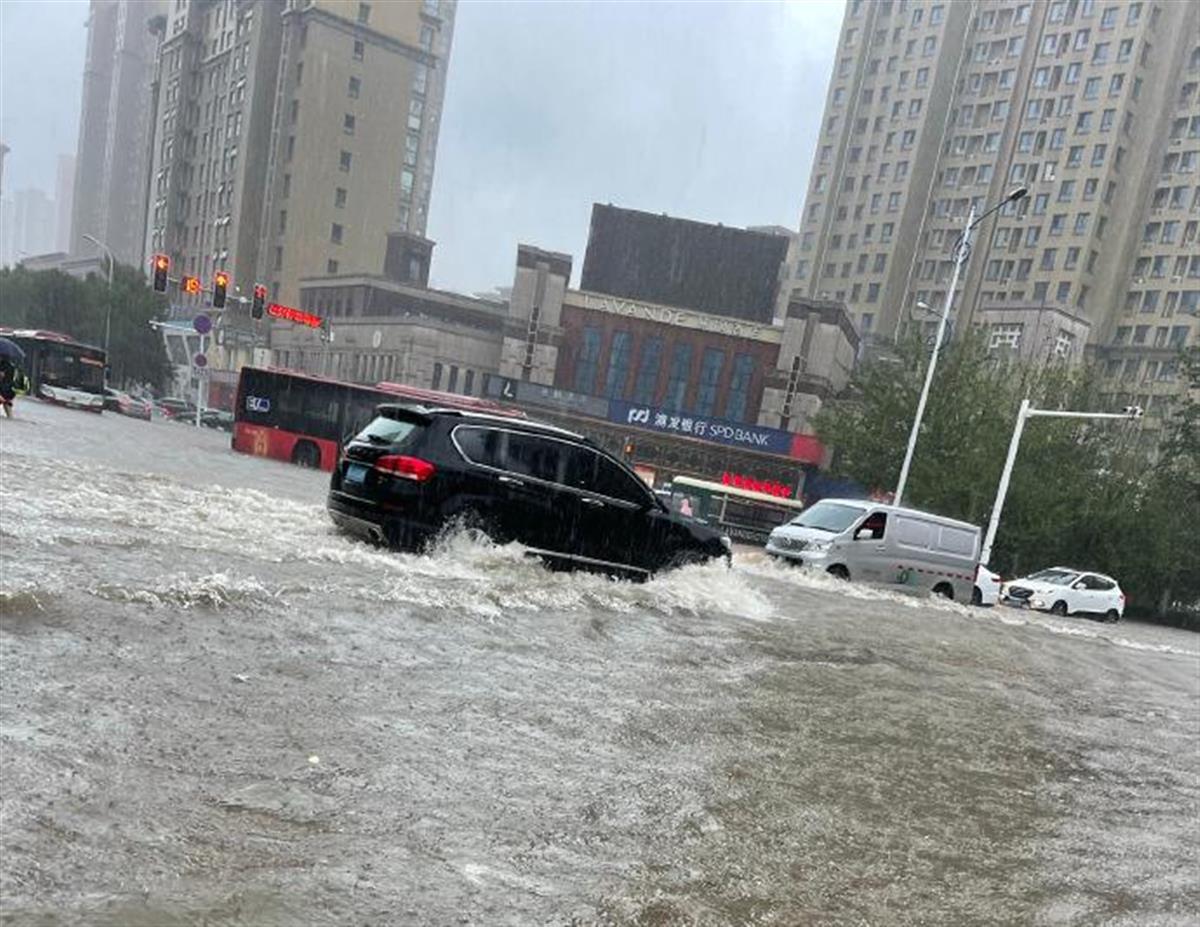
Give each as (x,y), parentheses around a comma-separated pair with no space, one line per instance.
(596,503)
(511,480)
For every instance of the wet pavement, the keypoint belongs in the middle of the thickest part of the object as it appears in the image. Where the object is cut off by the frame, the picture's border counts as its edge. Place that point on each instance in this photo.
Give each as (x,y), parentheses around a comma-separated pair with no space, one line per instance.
(216,710)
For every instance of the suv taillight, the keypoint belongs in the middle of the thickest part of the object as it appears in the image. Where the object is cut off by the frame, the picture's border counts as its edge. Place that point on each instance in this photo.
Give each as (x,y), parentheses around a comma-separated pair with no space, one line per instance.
(405,468)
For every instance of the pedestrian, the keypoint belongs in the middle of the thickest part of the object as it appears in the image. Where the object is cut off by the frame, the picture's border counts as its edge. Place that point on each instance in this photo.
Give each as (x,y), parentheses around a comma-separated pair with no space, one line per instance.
(8,385)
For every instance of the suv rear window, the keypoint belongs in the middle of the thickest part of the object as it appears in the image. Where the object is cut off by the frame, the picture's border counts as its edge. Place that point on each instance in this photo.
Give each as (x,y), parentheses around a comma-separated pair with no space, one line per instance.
(388,430)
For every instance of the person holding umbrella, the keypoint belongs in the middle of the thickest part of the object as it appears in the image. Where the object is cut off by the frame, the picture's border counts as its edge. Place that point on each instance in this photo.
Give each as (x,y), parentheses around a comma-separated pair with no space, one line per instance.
(10,374)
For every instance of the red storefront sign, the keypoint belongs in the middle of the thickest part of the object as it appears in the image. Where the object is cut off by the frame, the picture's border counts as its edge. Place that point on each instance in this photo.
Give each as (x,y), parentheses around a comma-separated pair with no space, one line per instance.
(294,315)
(767,487)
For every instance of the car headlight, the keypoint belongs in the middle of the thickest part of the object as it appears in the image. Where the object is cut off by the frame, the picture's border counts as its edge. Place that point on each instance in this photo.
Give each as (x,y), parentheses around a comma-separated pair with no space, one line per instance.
(726,542)
(820,545)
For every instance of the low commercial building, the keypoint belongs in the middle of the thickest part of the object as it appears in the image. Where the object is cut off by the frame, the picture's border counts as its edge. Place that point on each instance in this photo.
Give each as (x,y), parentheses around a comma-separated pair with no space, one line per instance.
(675,352)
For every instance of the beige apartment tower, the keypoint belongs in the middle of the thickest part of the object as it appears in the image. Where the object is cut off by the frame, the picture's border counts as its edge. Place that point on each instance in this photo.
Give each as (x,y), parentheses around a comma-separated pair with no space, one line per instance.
(292,136)
(1091,104)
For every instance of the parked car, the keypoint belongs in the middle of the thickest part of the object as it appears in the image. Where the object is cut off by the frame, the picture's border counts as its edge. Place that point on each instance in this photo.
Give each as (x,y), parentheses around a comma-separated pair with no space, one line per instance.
(987,587)
(217,418)
(124,404)
(412,471)
(862,540)
(177,409)
(1067,591)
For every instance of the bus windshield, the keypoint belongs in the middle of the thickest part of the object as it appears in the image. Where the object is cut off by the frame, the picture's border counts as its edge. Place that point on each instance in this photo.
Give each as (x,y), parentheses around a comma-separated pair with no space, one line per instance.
(67,366)
(833,517)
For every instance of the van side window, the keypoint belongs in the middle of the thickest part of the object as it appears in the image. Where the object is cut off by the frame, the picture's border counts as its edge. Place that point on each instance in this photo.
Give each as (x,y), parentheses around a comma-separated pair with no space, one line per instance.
(615,483)
(872,528)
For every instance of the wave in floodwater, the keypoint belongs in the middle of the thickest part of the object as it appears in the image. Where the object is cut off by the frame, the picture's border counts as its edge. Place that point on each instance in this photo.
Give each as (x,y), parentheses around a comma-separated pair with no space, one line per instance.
(60,514)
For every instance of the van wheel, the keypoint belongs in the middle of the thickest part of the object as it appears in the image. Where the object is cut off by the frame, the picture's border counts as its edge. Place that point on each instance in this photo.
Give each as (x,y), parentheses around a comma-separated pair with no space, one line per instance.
(305,454)
(944,590)
(1059,608)
(976,596)
(1112,616)
(838,571)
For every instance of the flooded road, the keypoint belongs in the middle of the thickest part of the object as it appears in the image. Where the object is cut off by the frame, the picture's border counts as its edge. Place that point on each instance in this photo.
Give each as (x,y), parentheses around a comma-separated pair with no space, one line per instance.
(216,710)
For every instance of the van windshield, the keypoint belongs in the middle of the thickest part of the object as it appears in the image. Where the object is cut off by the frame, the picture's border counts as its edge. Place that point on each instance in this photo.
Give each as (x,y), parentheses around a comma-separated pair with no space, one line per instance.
(833,517)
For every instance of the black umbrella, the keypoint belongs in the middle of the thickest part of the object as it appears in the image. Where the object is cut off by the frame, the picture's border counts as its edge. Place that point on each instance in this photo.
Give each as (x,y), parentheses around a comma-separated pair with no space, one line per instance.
(11,350)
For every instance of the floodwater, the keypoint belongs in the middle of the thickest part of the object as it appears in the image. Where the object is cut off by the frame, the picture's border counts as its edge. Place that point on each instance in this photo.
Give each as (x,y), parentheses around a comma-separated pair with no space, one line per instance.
(216,710)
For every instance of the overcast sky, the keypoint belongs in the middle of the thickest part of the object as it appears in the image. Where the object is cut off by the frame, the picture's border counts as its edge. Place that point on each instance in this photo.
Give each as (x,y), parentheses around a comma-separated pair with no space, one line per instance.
(703,110)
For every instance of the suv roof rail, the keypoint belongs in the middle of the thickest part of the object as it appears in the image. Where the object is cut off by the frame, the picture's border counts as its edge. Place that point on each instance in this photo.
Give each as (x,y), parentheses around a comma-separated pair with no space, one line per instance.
(507,420)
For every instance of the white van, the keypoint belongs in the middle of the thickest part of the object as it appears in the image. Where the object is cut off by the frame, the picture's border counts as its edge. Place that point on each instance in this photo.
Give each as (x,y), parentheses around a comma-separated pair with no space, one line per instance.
(862,540)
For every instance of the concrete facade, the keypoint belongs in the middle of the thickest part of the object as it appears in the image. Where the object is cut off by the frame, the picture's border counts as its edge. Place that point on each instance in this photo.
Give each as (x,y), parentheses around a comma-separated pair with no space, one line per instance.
(1043,334)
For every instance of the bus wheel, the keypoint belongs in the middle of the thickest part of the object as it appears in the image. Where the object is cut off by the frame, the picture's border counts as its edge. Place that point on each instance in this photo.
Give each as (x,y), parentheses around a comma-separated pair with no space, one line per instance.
(305,454)
(837,571)
(945,590)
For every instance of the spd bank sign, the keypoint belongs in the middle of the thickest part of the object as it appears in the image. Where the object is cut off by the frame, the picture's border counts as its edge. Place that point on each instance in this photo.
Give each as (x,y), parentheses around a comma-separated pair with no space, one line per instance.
(716,430)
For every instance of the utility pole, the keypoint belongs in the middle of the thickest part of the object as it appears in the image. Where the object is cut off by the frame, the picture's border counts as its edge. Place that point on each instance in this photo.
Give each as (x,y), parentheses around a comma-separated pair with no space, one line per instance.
(1027,412)
(962,251)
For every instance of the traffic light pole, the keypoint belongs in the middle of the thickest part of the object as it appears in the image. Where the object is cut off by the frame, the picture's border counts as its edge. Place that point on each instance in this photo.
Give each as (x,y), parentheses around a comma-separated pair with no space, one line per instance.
(1026,412)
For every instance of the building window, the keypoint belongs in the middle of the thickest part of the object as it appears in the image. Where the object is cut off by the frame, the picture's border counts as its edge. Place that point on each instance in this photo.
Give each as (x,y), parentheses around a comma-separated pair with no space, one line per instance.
(739,388)
(437,375)
(710,377)
(677,381)
(339,198)
(406,183)
(359,49)
(619,358)
(646,384)
(1005,336)
(589,357)
(353,89)
(335,234)
(364,12)
(331,266)
(287,186)
(469,383)
(452,382)
(427,38)
(344,164)
(416,109)
(348,124)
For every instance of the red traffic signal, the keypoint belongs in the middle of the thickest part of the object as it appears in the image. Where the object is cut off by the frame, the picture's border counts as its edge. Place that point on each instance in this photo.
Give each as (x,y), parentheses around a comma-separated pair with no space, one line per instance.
(220,287)
(189,284)
(162,264)
(260,298)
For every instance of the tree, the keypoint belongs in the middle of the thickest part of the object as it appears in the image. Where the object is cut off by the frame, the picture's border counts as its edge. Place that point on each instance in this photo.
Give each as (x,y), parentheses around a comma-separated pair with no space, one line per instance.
(52,300)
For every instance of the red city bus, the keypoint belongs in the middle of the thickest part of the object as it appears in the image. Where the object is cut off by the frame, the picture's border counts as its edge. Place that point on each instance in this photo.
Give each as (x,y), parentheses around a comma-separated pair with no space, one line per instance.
(303,418)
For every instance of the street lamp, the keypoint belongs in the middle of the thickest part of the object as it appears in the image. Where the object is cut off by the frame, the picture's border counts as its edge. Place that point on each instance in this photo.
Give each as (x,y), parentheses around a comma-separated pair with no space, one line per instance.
(108,309)
(1027,412)
(962,250)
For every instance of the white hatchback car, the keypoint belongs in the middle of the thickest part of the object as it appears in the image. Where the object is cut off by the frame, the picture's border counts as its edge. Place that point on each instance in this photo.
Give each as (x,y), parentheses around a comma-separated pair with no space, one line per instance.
(1065,591)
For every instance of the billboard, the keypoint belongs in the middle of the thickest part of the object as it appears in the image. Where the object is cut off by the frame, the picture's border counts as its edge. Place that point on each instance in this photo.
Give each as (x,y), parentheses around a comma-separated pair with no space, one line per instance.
(805,448)
(678,262)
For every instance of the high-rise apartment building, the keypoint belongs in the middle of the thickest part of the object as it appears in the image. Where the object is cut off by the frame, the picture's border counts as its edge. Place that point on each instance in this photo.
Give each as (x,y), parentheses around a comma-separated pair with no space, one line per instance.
(935,106)
(109,189)
(291,137)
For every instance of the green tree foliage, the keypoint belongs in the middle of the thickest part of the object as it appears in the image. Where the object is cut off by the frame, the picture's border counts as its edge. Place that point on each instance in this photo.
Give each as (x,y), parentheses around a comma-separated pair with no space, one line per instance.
(55,301)
(1086,494)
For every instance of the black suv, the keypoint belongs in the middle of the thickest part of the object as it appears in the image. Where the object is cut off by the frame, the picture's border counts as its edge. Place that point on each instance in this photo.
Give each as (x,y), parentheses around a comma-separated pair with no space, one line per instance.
(414,470)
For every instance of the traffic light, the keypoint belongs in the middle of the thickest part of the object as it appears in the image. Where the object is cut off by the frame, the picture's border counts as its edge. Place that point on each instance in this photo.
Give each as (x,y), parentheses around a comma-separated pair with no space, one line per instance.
(162,264)
(189,284)
(260,298)
(220,286)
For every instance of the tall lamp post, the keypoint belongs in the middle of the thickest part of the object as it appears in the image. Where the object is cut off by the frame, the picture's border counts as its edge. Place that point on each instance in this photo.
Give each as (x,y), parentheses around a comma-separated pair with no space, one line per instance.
(1027,412)
(108,306)
(962,250)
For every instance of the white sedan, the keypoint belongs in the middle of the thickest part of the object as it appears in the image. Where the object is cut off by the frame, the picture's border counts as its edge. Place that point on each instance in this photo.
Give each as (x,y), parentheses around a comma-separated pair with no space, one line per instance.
(1066,591)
